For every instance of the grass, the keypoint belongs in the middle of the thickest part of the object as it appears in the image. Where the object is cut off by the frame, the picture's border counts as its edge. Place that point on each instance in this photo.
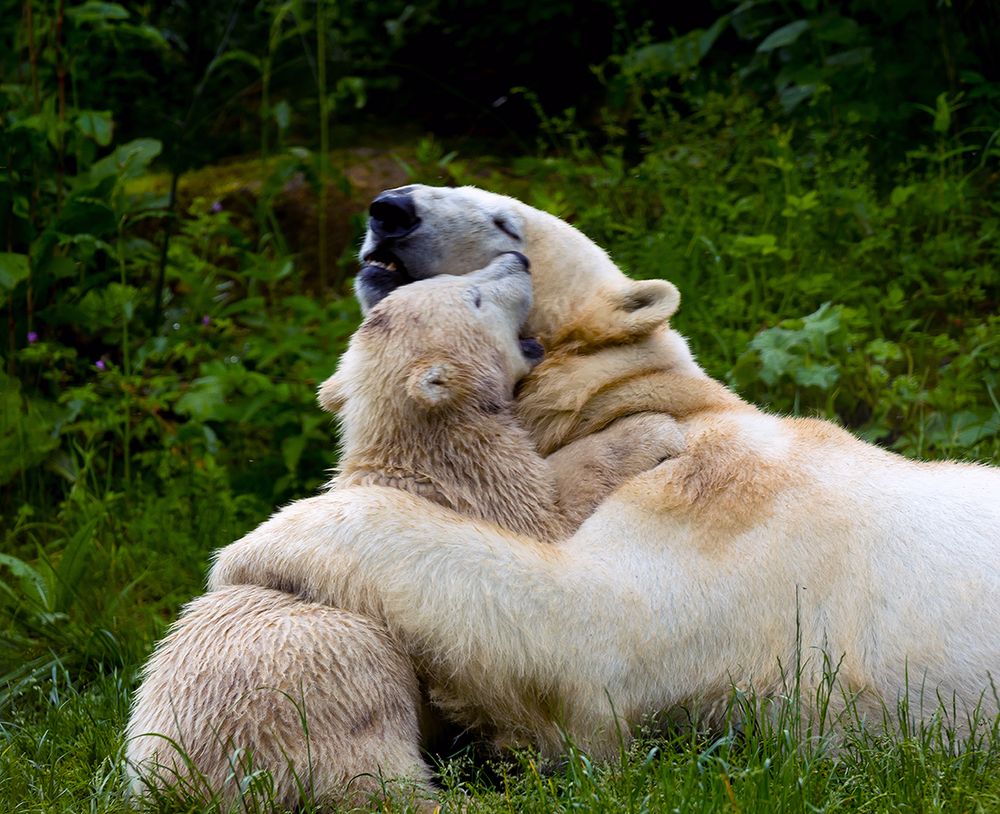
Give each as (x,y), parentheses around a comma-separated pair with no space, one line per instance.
(60,756)
(812,281)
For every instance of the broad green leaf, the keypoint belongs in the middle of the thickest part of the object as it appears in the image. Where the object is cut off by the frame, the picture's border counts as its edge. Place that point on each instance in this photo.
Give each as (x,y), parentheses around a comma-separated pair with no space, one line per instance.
(798,348)
(150,33)
(811,374)
(95,11)
(774,363)
(13,269)
(785,35)
(942,114)
(755,244)
(282,113)
(291,451)
(128,161)
(204,400)
(882,350)
(900,195)
(83,215)
(58,266)
(854,56)
(133,158)
(32,583)
(677,55)
(36,123)
(95,124)
(794,95)
(834,28)
(236,55)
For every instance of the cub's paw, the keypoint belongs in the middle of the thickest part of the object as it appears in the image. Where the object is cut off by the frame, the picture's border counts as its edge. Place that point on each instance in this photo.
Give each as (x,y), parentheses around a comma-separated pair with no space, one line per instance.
(234,565)
(650,439)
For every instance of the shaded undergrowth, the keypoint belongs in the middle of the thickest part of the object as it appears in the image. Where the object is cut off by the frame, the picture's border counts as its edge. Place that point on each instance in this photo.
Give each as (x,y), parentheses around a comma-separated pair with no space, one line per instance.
(161,356)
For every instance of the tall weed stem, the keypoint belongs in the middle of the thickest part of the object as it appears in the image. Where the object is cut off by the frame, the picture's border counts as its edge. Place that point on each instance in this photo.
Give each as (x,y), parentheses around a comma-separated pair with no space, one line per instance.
(324,140)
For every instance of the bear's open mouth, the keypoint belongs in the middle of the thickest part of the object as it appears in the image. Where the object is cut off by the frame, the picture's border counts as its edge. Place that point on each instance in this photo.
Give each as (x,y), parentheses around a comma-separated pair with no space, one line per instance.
(380,274)
(383,258)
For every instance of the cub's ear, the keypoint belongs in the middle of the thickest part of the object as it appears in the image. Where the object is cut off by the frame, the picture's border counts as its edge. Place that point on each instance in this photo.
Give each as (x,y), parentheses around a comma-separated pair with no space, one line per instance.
(433,383)
(331,394)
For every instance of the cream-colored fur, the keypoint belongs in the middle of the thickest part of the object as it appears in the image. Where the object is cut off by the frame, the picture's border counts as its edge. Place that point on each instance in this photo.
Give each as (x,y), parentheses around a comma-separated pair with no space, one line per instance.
(768,541)
(425,397)
(233,689)
(451,344)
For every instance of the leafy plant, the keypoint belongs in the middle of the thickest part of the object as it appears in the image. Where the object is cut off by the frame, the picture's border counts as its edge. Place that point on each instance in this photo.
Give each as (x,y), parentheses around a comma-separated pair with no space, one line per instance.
(821,190)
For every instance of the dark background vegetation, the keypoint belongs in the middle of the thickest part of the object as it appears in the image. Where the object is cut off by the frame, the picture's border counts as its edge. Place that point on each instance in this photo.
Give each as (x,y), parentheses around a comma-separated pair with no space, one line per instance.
(182,188)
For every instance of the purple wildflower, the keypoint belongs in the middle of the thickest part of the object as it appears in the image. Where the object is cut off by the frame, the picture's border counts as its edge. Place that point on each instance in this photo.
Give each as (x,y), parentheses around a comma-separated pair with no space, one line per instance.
(99,364)
(216,207)
(206,319)
(32,337)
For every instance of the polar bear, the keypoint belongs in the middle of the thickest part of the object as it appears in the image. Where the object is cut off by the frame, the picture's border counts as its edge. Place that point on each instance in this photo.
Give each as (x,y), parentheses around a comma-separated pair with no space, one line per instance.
(768,545)
(324,699)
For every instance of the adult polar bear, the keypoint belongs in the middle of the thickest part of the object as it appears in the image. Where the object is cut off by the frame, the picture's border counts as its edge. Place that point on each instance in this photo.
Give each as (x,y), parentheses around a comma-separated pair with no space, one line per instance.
(767,541)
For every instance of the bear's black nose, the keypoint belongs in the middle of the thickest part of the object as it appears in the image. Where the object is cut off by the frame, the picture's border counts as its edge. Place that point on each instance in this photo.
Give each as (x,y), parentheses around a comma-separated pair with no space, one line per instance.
(393,214)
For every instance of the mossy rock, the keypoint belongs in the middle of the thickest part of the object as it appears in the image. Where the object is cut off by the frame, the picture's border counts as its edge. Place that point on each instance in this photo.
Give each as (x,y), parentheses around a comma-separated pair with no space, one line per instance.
(282,193)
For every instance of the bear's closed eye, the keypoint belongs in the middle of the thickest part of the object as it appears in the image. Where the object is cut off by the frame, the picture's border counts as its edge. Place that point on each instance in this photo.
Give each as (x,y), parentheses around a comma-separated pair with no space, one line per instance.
(505,227)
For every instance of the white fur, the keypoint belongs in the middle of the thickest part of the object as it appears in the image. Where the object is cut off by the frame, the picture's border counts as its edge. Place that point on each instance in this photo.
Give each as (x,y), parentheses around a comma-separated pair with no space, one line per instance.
(710,571)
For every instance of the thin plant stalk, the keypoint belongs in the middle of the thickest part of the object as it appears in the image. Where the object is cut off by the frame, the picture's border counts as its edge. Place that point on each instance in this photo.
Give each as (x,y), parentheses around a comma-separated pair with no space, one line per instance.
(29,24)
(324,140)
(126,360)
(11,324)
(29,21)
(265,99)
(61,97)
(161,274)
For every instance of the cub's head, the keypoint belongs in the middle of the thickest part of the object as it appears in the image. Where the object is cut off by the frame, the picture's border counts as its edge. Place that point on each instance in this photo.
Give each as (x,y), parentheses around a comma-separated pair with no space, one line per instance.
(441,346)
(416,232)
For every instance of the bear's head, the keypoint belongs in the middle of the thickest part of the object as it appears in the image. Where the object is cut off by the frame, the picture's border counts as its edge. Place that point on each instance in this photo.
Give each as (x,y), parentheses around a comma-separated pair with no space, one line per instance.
(437,348)
(417,231)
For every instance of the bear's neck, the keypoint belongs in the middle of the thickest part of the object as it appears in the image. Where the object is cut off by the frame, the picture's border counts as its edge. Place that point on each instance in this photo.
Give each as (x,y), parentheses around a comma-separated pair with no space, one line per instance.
(568,396)
(480,465)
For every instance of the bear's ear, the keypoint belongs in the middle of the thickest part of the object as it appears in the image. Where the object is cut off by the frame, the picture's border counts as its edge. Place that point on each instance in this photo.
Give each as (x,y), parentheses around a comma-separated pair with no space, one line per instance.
(432,383)
(647,304)
(332,394)
(623,315)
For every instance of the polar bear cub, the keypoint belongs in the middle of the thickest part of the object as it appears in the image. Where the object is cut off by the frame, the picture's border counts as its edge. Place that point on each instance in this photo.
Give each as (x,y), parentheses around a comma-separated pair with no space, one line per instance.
(256,678)
(453,347)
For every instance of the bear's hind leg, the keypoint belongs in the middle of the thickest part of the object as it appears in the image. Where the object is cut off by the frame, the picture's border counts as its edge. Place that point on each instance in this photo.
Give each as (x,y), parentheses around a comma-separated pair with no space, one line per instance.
(251,679)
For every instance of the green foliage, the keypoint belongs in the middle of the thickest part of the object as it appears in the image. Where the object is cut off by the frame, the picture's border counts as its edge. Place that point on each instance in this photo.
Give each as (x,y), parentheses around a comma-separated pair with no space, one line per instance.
(761,223)
(822,191)
(840,64)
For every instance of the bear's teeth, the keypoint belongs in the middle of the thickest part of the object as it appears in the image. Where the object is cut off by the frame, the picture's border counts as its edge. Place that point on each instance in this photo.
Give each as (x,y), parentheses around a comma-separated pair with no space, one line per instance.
(387,266)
